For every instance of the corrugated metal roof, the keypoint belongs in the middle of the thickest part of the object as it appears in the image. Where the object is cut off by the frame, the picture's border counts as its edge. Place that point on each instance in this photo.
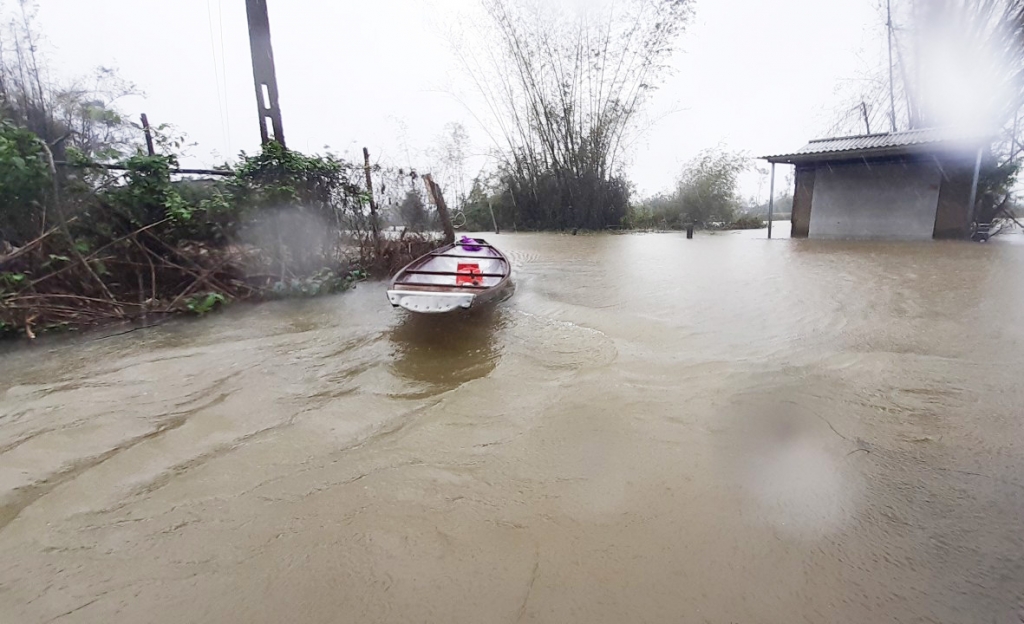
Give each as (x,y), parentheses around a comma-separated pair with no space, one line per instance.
(884,144)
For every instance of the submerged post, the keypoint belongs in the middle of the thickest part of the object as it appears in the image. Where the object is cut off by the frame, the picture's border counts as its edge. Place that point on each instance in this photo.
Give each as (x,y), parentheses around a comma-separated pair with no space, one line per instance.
(974,186)
(771,200)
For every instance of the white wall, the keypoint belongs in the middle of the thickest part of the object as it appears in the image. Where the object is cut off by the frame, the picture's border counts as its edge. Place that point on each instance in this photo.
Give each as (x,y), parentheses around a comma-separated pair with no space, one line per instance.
(895,201)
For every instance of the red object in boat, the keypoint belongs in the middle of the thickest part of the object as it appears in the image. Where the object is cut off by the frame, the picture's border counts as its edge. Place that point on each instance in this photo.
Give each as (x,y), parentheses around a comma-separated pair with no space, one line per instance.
(468,273)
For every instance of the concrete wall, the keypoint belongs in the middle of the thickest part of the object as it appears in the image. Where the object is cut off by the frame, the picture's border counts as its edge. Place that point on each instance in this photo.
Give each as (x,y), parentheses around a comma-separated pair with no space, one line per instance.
(802,194)
(892,200)
(953,219)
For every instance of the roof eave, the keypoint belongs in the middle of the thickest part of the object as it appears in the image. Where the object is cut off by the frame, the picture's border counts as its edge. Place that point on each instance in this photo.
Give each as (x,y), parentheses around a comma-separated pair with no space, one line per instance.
(869,153)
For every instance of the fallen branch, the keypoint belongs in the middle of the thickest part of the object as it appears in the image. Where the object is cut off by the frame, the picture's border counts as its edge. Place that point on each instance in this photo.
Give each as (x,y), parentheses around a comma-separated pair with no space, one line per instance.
(78,297)
(102,248)
(29,246)
(201,280)
(67,230)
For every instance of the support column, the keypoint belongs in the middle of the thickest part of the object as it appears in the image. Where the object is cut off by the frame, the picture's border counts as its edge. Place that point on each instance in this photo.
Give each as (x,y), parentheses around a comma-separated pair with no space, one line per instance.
(974,187)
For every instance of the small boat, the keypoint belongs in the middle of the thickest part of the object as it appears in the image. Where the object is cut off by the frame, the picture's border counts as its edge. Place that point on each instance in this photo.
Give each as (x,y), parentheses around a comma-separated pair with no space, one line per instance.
(467,273)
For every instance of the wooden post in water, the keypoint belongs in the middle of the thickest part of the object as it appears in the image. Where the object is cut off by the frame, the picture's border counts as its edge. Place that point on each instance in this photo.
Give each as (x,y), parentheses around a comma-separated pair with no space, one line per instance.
(434,192)
(374,226)
(149,135)
(771,200)
(493,220)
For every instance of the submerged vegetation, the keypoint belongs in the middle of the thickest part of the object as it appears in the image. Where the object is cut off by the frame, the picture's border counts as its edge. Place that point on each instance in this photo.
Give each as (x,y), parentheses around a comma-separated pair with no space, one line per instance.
(90,245)
(96,229)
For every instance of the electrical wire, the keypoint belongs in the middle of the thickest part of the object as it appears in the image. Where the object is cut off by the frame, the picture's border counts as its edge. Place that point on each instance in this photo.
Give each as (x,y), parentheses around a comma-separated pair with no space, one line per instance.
(216,73)
(224,74)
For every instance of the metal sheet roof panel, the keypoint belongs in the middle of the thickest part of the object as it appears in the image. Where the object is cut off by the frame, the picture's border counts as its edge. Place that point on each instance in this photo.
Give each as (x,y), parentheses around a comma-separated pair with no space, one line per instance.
(891,142)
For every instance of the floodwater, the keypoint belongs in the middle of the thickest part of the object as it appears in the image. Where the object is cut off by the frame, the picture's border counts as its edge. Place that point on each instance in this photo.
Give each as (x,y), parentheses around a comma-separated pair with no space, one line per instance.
(653,429)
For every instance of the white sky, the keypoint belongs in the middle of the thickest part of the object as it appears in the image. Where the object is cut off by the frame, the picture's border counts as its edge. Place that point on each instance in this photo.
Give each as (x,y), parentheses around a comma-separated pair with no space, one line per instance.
(758,76)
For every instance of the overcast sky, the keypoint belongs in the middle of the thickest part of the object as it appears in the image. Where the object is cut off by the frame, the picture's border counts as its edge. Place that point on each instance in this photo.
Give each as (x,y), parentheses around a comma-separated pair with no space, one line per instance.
(758,76)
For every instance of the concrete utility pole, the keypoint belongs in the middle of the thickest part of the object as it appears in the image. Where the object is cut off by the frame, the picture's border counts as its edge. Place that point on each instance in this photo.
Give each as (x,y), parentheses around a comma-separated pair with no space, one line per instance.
(263,71)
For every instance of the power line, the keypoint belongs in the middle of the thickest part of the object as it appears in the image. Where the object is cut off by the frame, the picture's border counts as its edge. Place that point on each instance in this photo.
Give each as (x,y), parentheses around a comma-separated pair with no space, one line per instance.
(892,95)
(216,72)
(224,74)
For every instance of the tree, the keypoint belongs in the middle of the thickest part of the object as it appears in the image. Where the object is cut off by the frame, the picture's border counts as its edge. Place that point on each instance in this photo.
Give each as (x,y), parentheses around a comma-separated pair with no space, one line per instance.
(24,178)
(451,154)
(81,115)
(707,191)
(564,93)
(414,212)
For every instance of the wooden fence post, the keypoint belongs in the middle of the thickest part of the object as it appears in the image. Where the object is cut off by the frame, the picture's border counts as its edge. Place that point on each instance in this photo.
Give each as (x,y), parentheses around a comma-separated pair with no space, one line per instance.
(149,135)
(493,220)
(434,192)
(374,226)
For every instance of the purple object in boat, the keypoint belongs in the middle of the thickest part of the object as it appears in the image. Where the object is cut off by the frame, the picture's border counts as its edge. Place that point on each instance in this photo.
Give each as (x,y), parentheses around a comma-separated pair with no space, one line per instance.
(469,244)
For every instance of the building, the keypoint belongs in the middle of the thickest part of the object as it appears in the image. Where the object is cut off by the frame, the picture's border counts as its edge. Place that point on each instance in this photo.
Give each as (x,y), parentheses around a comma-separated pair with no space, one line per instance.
(916,184)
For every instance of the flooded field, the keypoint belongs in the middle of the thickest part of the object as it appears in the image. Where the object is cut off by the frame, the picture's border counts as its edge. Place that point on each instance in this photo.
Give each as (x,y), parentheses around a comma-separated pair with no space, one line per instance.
(653,429)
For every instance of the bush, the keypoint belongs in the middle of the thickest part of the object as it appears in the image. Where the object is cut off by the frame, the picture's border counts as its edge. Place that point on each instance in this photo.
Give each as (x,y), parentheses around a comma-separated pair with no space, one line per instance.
(24,179)
(748,222)
(707,190)
(557,199)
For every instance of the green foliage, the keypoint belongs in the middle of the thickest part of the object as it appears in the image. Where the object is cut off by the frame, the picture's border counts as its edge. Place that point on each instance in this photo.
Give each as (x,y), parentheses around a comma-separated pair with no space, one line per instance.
(413,211)
(147,195)
(278,177)
(654,213)
(484,196)
(24,180)
(200,211)
(995,186)
(707,192)
(705,196)
(205,303)
(567,89)
(323,282)
(11,282)
(144,240)
(79,113)
(747,222)
(559,199)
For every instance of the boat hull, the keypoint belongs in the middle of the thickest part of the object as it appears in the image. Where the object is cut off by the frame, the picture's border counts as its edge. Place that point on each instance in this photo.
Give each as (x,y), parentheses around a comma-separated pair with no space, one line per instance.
(456,277)
(430,302)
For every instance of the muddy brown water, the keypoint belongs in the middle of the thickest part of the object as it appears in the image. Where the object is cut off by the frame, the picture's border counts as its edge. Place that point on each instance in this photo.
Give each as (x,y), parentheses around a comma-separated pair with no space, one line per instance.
(727,429)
